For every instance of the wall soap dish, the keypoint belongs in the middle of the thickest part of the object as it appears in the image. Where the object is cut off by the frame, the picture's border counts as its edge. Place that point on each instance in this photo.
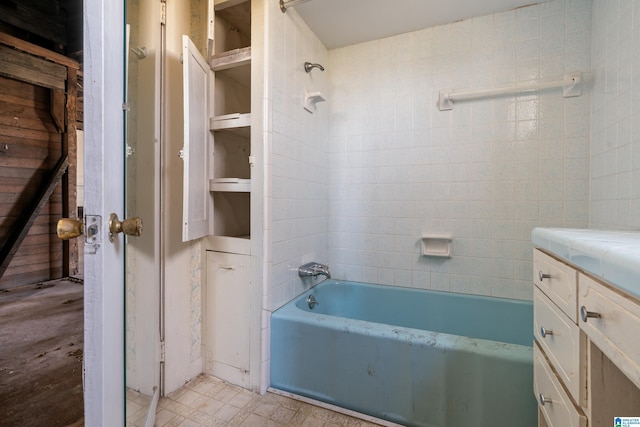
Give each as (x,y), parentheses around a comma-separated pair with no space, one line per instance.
(311,99)
(436,245)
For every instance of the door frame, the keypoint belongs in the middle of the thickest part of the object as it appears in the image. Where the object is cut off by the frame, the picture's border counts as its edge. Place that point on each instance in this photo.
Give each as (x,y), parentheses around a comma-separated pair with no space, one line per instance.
(103,30)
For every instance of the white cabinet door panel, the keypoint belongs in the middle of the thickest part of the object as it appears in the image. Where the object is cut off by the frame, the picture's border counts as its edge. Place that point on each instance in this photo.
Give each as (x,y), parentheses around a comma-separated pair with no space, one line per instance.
(227,317)
(195,208)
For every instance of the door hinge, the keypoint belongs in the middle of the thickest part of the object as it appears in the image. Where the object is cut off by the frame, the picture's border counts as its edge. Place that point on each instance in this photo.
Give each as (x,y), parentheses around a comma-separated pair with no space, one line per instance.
(162,352)
(163,12)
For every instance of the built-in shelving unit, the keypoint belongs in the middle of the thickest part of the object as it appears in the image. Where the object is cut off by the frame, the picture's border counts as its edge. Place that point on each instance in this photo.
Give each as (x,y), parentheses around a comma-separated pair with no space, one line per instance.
(230,123)
(222,152)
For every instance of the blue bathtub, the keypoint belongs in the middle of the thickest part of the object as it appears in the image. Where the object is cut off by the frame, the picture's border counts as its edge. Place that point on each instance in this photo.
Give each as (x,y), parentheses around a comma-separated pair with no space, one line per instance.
(414,357)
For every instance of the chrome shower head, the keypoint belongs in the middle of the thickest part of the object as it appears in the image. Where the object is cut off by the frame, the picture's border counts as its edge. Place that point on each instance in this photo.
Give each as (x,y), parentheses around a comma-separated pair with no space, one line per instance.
(308,66)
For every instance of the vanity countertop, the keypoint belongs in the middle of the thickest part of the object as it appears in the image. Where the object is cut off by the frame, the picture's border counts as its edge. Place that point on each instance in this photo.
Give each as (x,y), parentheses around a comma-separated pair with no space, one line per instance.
(613,256)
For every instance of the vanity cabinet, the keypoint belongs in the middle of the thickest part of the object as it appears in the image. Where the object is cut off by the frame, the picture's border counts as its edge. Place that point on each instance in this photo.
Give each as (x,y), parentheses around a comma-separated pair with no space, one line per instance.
(586,350)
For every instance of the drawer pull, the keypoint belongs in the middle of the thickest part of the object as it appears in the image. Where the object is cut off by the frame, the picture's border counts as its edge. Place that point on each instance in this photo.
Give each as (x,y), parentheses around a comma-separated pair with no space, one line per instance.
(584,314)
(228,267)
(544,332)
(543,276)
(544,400)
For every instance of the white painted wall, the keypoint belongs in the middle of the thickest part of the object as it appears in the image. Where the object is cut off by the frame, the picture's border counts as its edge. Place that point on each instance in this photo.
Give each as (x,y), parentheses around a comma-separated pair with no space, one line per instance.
(488,171)
(183,262)
(615,115)
(143,178)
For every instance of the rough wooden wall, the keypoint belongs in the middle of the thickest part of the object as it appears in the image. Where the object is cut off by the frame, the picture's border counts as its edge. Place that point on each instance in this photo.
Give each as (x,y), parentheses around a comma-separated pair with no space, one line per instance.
(38,162)
(30,146)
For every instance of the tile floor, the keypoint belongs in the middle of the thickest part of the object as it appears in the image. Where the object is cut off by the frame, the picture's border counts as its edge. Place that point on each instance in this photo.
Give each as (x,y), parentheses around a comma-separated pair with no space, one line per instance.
(208,401)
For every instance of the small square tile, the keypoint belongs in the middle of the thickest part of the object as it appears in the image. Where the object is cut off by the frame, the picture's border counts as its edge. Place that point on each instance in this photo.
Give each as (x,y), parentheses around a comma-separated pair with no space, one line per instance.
(311,421)
(163,416)
(188,397)
(226,394)
(208,405)
(282,415)
(174,422)
(241,399)
(227,412)
(254,420)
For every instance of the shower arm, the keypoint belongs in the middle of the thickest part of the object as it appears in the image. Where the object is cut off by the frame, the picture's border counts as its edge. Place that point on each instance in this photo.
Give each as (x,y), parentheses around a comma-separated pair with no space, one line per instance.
(308,66)
(291,3)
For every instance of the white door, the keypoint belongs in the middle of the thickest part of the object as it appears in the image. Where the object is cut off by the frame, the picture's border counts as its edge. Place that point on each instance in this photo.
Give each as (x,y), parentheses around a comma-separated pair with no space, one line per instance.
(104,270)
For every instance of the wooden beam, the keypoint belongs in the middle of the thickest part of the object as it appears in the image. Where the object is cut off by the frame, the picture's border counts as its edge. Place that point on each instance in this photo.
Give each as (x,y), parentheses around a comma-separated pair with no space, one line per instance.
(22,227)
(33,49)
(58,109)
(31,69)
(70,256)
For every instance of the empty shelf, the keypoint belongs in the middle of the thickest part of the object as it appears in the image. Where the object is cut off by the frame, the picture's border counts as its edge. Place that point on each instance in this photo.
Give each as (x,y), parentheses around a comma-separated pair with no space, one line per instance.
(231,244)
(223,4)
(237,185)
(236,121)
(231,59)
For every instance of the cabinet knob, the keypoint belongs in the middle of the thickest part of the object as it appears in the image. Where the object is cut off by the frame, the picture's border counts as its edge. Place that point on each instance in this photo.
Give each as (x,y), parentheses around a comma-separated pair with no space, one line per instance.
(584,314)
(544,400)
(544,332)
(543,276)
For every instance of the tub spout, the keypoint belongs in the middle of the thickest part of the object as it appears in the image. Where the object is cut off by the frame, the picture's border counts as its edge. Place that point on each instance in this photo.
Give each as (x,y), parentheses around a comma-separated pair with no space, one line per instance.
(314,269)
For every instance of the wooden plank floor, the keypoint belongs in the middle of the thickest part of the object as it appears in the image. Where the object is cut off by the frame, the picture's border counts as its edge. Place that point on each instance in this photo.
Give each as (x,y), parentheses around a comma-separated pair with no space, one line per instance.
(41,345)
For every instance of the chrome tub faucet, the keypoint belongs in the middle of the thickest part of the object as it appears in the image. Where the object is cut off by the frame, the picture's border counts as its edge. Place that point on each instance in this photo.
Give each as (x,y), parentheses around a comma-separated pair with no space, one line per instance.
(314,269)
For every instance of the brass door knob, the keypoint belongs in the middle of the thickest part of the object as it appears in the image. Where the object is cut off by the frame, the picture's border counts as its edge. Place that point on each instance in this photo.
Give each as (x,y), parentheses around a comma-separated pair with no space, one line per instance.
(129,226)
(69,228)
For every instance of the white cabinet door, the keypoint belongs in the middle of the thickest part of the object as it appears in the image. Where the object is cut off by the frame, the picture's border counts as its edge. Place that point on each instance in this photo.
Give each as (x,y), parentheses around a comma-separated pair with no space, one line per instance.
(227,317)
(195,197)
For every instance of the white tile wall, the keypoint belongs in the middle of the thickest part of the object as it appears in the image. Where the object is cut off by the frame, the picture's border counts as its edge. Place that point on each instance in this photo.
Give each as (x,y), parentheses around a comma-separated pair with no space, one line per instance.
(615,115)
(296,154)
(487,171)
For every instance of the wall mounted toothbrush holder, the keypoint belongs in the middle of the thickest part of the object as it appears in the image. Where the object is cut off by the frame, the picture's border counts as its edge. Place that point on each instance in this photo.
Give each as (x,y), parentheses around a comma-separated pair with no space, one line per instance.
(436,245)
(311,99)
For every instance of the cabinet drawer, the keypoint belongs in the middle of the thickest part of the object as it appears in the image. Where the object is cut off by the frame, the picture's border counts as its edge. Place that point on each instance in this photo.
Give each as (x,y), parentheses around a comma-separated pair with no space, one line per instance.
(615,332)
(563,343)
(558,410)
(558,281)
